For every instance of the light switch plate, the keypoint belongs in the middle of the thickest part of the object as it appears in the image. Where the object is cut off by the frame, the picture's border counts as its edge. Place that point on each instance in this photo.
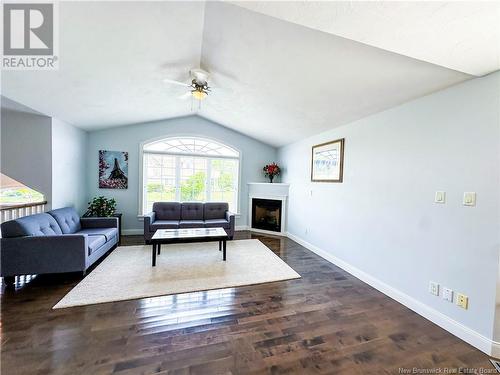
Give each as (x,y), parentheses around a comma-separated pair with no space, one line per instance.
(440,197)
(434,288)
(447,294)
(469,198)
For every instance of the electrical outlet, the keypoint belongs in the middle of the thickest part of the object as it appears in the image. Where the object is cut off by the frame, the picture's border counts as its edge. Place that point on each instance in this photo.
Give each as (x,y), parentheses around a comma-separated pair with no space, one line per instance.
(434,288)
(462,301)
(440,197)
(447,294)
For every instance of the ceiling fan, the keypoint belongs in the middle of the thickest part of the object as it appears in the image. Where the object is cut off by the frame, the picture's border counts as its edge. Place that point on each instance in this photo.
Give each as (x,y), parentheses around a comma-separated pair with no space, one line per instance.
(198,85)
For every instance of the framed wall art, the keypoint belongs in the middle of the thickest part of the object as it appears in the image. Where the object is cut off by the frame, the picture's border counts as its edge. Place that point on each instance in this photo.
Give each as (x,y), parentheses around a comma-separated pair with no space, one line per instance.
(113,169)
(327,164)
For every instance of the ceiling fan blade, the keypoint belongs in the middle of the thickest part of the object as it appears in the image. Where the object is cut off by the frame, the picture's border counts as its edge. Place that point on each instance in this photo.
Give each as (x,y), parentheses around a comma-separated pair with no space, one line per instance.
(185,96)
(173,82)
(222,90)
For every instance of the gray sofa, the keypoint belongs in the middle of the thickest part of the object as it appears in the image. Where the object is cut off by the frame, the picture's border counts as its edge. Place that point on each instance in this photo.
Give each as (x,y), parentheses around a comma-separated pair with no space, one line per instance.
(55,242)
(173,215)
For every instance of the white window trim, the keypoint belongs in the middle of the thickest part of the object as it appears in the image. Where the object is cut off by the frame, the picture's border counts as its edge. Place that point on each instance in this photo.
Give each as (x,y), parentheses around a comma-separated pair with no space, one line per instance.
(142,191)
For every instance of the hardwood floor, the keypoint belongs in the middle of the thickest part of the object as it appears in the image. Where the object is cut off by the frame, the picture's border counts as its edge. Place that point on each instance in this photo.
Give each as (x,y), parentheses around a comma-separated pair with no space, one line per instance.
(326,322)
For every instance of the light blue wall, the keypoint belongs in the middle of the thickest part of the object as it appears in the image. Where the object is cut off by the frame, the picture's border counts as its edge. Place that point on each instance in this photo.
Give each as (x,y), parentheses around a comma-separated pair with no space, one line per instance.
(383,220)
(254,155)
(45,154)
(69,149)
(26,150)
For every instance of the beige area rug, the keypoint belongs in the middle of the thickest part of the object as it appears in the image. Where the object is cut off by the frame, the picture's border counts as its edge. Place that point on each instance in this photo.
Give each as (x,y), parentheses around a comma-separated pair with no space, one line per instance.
(127,272)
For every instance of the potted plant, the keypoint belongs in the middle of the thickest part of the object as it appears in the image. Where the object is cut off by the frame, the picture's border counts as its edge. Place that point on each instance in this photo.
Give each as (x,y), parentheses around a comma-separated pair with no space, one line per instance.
(271,170)
(101,207)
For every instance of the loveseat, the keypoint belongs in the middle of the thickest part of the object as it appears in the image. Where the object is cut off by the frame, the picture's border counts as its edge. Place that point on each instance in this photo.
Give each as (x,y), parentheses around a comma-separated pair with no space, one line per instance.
(55,242)
(174,215)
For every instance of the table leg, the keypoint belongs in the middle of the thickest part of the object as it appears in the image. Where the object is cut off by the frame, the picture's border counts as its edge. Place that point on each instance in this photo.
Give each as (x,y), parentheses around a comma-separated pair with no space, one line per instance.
(224,250)
(159,248)
(220,245)
(154,254)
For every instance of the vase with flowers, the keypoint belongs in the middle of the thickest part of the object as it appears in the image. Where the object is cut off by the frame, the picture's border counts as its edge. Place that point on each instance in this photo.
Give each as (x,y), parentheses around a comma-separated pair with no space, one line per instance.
(271,170)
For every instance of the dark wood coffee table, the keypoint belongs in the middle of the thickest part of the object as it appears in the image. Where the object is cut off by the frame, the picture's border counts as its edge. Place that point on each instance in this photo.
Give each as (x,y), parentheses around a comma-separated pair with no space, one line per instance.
(168,236)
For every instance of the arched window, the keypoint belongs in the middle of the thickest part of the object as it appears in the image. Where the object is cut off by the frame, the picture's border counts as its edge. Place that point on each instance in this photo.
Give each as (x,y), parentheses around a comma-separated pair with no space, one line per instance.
(190,169)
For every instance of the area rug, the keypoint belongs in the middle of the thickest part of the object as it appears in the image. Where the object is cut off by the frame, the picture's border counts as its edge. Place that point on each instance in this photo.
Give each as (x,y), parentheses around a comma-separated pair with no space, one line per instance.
(127,272)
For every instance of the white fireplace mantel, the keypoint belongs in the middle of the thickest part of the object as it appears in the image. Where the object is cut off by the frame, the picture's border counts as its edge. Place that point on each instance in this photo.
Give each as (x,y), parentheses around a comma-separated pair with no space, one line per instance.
(267,190)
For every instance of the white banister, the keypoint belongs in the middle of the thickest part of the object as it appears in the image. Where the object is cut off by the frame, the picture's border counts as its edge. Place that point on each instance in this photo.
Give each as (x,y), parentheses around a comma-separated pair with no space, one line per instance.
(15,211)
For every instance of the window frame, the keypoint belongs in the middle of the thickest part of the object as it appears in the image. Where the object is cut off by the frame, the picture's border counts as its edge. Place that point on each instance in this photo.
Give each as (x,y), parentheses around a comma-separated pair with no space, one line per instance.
(209,157)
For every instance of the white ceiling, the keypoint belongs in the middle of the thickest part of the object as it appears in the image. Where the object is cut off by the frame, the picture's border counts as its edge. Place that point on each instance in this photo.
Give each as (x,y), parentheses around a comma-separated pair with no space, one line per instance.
(460,35)
(113,57)
(276,80)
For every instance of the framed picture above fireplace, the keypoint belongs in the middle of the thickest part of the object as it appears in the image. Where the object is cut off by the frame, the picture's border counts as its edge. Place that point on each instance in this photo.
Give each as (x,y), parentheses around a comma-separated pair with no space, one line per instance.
(327,161)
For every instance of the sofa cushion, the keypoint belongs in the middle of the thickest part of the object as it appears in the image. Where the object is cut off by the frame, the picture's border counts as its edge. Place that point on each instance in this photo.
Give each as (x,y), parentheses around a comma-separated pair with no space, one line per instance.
(33,225)
(215,210)
(191,211)
(95,242)
(217,223)
(164,224)
(167,210)
(192,224)
(67,218)
(108,233)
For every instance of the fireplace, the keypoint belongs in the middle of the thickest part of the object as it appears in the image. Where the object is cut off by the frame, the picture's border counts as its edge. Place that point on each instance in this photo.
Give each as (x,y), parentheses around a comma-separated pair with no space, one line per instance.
(267,214)
(267,207)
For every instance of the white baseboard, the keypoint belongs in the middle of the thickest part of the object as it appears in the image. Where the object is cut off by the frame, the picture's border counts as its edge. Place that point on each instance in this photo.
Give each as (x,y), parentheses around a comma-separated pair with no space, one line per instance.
(495,349)
(241,227)
(463,332)
(131,232)
(268,232)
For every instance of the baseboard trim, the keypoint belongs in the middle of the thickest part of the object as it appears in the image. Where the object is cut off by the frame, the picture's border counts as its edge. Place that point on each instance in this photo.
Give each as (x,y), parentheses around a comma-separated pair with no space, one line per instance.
(241,227)
(269,232)
(463,332)
(132,232)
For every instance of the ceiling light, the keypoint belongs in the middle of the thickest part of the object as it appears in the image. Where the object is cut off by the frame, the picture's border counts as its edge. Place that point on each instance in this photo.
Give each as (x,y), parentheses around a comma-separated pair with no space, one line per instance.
(199,94)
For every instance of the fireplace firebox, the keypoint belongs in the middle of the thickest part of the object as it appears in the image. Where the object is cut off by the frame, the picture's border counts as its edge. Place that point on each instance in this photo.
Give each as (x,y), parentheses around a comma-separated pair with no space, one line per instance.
(266,214)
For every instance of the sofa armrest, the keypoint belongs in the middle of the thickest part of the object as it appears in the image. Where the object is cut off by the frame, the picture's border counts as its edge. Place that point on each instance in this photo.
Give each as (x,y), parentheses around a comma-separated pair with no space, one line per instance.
(230,217)
(99,222)
(43,254)
(149,219)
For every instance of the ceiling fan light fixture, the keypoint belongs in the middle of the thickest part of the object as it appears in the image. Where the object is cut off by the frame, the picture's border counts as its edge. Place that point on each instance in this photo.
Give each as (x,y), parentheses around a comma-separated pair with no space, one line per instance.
(198,94)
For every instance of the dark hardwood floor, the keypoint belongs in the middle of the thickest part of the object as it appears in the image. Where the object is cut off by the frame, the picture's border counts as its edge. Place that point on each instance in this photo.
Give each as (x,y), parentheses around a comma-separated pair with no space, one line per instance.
(326,322)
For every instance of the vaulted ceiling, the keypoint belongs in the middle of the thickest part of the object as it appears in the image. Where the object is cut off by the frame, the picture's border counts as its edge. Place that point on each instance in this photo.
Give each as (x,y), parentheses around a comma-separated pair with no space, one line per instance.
(281,71)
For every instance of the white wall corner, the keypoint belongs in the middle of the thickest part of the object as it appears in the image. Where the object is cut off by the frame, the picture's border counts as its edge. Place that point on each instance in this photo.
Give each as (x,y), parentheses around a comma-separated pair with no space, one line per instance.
(486,345)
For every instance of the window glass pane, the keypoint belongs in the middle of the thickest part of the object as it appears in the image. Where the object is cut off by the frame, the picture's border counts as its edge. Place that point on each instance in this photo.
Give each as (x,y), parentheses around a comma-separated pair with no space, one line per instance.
(175,177)
(191,145)
(154,172)
(193,179)
(13,192)
(224,182)
(160,184)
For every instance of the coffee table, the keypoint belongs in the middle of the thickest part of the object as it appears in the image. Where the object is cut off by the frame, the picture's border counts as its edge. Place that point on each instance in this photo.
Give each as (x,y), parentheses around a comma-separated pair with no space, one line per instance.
(168,236)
